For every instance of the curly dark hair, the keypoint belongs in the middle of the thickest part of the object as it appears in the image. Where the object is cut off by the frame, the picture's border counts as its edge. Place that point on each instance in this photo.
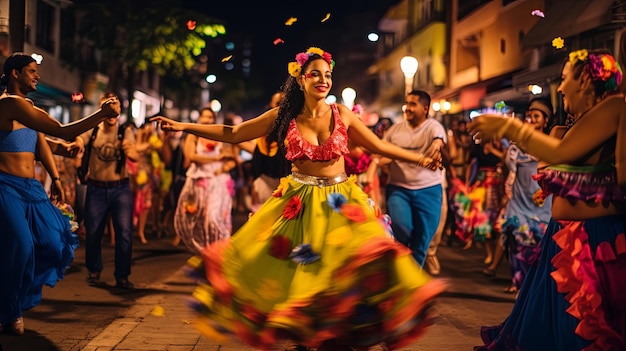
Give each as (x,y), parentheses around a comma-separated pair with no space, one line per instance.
(290,106)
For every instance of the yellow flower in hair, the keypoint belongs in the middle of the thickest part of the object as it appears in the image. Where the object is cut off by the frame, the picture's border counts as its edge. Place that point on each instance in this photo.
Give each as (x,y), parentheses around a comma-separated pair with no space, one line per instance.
(314,50)
(579,55)
(294,69)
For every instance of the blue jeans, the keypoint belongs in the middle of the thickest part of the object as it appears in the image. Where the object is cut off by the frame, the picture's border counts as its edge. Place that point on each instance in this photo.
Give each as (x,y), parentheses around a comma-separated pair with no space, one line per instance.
(414,216)
(100,203)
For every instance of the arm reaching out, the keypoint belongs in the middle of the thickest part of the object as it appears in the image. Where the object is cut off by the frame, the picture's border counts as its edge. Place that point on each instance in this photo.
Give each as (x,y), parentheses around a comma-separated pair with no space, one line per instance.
(592,129)
(35,118)
(248,130)
(364,137)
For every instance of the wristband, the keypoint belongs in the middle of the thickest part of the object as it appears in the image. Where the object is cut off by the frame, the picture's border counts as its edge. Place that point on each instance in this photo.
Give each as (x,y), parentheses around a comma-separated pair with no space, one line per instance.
(54,179)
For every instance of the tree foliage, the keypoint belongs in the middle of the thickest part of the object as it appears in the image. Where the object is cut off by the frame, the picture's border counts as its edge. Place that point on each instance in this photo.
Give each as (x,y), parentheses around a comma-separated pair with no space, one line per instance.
(143,34)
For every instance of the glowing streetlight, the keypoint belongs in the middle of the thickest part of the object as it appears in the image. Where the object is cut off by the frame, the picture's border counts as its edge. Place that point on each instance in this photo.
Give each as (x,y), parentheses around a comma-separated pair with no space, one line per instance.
(348,95)
(446,106)
(215,105)
(408,65)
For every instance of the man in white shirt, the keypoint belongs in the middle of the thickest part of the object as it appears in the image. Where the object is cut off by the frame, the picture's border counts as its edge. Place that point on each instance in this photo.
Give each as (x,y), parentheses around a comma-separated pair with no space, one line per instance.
(414,193)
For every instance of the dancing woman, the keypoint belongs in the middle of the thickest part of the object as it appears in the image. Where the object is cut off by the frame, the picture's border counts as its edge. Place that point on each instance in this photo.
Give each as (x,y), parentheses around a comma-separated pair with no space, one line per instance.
(573,296)
(313,264)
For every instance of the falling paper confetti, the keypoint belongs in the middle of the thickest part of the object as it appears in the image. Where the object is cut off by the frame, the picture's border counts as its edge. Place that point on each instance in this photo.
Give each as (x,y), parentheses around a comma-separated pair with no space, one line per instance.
(227,58)
(558,42)
(278,41)
(291,21)
(538,13)
(158,311)
(326,18)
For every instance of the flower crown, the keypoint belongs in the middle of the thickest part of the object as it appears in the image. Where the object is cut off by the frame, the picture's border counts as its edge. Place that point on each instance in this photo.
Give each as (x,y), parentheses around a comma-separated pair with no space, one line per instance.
(295,68)
(601,67)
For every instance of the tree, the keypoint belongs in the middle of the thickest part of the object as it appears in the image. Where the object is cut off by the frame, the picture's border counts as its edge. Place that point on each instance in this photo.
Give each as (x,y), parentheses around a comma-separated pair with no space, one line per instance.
(130,37)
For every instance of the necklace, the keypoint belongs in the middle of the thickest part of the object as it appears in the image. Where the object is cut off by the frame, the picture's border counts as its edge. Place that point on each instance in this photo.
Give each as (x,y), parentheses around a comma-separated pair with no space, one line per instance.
(318,114)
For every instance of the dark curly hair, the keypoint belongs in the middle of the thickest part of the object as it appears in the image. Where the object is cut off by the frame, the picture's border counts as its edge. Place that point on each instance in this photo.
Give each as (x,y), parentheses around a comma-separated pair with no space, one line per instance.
(290,106)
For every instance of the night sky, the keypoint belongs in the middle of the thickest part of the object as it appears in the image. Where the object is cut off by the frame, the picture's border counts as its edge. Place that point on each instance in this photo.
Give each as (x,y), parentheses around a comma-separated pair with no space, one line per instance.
(264,22)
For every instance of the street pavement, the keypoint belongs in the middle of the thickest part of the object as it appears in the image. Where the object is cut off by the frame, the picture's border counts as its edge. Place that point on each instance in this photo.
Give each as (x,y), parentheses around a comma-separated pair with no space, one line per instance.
(156,317)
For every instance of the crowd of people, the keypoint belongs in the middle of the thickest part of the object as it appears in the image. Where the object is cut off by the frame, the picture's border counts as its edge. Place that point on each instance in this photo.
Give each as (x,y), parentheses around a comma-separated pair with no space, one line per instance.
(549,199)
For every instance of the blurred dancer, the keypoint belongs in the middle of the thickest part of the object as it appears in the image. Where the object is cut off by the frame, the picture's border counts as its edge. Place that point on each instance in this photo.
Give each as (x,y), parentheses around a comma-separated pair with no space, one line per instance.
(573,295)
(203,213)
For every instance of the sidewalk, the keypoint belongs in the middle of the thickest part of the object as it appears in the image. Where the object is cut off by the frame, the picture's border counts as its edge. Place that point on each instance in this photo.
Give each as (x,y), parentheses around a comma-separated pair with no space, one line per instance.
(462,310)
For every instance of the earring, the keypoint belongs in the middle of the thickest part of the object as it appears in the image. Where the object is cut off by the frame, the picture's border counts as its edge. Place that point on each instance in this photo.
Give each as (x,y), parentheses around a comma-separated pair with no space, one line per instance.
(301,88)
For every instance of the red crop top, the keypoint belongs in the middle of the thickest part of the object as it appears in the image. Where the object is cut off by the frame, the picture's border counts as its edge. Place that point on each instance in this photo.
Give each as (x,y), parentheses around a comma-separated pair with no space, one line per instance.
(333,147)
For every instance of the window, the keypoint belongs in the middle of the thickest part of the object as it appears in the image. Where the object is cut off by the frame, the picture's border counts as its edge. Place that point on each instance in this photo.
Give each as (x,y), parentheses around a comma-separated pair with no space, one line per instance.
(67,30)
(44,36)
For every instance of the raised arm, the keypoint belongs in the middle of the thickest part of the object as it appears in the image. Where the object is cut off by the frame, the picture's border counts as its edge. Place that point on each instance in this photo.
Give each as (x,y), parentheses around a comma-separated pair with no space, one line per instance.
(590,131)
(363,136)
(35,118)
(248,130)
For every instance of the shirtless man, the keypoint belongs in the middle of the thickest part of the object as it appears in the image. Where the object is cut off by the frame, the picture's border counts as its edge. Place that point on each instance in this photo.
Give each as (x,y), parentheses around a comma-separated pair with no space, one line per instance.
(109,195)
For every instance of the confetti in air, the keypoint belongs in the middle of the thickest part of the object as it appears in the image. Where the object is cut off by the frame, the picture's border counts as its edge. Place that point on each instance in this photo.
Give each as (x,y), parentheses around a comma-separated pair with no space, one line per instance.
(326,17)
(278,41)
(227,58)
(291,21)
(558,42)
(158,311)
(191,25)
(538,13)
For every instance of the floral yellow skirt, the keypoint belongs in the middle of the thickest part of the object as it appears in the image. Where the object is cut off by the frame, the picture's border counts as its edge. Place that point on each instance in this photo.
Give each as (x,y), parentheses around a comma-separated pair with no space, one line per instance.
(313,264)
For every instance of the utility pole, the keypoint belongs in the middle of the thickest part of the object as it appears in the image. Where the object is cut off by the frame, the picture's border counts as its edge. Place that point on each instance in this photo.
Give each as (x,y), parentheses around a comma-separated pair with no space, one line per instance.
(17,15)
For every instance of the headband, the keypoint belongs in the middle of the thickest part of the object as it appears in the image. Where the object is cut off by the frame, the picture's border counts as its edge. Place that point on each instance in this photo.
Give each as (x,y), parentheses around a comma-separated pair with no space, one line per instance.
(295,68)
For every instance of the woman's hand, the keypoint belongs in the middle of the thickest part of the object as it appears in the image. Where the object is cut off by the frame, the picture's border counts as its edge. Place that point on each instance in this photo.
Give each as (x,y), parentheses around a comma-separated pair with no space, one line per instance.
(111,108)
(57,195)
(167,124)
(490,127)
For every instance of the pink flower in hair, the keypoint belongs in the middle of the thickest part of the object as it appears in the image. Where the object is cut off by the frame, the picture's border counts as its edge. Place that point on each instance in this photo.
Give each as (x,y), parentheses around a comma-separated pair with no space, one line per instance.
(327,57)
(302,58)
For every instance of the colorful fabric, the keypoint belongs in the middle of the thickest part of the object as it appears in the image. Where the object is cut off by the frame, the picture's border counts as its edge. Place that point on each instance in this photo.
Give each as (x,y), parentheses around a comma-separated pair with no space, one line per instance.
(476,208)
(313,264)
(357,165)
(18,140)
(573,297)
(596,183)
(333,147)
(203,213)
(525,218)
(36,245)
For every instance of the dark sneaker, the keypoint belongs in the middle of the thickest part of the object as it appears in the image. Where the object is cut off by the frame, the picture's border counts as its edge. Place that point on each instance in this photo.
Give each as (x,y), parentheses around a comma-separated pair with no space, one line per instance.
(124,284)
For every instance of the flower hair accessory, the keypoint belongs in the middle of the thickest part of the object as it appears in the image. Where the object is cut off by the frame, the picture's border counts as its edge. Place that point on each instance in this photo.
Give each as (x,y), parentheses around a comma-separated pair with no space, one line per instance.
(602,67)
(295,68)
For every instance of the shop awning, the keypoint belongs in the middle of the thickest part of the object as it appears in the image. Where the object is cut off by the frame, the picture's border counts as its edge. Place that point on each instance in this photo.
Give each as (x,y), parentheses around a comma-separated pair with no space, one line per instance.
(50,96)
(566,18)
